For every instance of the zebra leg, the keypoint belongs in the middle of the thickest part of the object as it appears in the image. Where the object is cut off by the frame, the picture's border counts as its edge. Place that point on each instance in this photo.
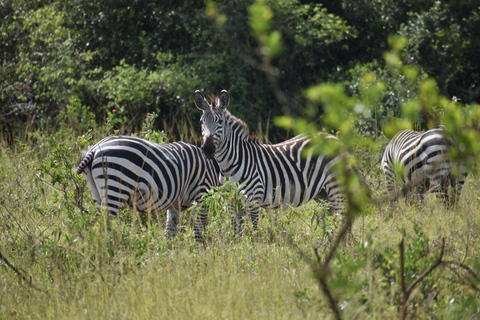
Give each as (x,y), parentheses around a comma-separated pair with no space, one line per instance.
(254,217)
(456,184)
(439,185)
(172,221)
(199,224)
(390,182)
(333,194)
(457,189)
(237,219)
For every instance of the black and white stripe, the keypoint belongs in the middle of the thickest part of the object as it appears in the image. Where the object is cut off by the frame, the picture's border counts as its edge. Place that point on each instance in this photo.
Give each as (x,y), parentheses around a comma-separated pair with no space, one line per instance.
(270,176)
(419,161)
(124,170)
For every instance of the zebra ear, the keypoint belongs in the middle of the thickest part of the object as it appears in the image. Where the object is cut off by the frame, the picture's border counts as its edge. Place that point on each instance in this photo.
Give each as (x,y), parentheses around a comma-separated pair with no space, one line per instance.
(200,101)
(224,99)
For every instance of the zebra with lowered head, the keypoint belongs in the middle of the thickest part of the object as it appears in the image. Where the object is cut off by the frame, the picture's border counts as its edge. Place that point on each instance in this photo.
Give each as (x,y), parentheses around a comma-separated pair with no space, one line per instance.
(269,176)
(130,171)
(418,161)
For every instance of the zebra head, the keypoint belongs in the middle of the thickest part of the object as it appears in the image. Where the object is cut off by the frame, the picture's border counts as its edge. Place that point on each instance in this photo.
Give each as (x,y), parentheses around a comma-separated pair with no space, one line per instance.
(212,120)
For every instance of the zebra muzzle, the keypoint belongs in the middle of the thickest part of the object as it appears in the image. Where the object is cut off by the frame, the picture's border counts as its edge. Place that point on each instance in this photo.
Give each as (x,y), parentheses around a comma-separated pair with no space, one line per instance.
(208,147)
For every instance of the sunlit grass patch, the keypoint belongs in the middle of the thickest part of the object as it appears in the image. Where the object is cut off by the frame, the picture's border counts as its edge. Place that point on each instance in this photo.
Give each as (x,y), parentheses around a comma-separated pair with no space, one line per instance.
(78,267)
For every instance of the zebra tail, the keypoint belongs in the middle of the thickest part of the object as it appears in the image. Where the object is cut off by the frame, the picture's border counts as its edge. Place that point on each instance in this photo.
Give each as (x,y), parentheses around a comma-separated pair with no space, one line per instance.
(85,160)
(364,182)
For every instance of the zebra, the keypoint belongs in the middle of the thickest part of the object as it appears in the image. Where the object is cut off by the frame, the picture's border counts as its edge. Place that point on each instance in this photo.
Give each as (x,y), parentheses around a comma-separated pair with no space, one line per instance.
(268,176)
(419,161)
(149,177)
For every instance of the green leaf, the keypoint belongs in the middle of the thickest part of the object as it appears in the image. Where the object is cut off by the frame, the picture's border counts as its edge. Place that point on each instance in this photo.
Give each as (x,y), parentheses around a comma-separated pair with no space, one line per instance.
(274,44)
(259,18)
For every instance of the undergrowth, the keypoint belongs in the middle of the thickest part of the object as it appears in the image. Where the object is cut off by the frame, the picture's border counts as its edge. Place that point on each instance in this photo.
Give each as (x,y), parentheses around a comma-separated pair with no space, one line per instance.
(58,262)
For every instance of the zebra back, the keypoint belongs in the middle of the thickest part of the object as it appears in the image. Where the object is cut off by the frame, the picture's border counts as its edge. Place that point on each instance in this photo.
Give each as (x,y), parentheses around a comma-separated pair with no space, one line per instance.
(124,169)
(423,158)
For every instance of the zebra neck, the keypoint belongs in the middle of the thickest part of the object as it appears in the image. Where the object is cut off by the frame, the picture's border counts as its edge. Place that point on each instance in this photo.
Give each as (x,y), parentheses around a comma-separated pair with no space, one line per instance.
(232,152)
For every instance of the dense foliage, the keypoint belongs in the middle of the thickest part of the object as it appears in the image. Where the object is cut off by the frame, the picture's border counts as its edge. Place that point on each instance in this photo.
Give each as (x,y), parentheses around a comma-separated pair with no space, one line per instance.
(142,56)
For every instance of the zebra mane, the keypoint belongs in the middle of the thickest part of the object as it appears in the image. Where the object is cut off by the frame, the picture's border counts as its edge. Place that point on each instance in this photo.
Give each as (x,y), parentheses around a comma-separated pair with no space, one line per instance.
(214,102)
(251,137)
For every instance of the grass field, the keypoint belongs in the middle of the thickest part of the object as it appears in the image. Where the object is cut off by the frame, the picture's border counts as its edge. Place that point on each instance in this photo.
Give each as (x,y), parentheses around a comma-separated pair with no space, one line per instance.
(122,268)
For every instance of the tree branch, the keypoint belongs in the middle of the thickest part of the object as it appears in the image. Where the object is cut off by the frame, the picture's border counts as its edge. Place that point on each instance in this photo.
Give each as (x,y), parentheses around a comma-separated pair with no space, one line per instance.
(407,293)
(19,273)
(429,270)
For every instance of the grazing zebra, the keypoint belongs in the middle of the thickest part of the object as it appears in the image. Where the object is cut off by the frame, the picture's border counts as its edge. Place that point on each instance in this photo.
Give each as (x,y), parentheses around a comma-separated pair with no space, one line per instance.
(269,176)
(124,170)
(420,161)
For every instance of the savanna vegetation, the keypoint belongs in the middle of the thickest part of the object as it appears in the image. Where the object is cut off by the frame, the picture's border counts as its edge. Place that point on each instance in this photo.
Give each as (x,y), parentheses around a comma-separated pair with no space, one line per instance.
(73,72)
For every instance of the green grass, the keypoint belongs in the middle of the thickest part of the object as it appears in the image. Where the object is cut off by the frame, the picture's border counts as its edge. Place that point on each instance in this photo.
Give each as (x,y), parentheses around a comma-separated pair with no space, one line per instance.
(123,268)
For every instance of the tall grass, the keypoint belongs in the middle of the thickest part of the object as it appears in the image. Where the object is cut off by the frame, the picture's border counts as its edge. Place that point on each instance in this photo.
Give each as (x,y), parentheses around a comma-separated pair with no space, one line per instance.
(68,266)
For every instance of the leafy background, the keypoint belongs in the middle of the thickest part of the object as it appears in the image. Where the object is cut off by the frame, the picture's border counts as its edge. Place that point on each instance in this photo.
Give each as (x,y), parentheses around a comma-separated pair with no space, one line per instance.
(141,56)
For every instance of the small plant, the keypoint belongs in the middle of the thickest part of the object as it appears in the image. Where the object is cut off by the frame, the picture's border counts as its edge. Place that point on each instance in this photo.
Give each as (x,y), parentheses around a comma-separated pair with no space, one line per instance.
(221,204)
(113,122)
(148,131)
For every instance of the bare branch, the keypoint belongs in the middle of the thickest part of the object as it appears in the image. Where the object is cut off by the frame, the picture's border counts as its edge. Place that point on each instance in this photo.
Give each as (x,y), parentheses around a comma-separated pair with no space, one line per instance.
(320,273)
(407,293)
(341,235)
(467,269)
(429,270)
(20,273)
(331,301)
(402,267)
